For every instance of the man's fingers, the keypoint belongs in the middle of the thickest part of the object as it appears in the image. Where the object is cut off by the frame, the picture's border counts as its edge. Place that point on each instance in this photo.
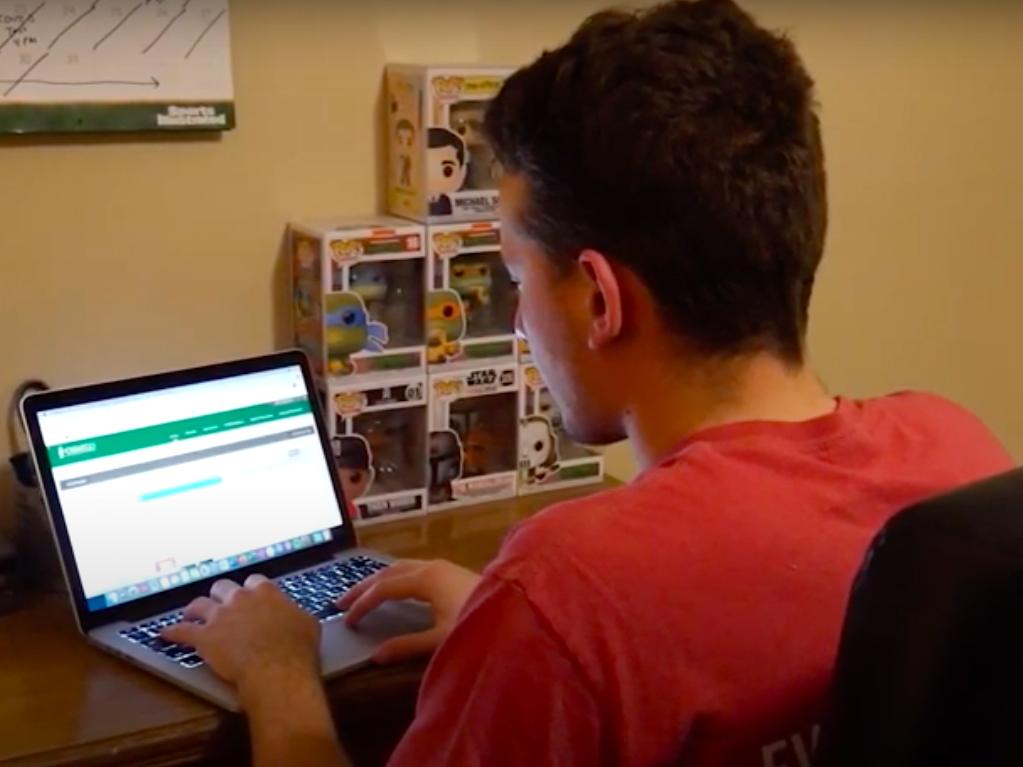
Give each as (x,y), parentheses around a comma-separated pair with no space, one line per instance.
(201,609)
(409,586)
(254,580)
(223,589)
(357,591)
(409,646)
(401,567)
(360,588)
(182,633)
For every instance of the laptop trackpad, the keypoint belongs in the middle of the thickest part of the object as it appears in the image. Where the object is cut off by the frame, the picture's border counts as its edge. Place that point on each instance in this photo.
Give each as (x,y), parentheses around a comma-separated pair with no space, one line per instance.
(342,647)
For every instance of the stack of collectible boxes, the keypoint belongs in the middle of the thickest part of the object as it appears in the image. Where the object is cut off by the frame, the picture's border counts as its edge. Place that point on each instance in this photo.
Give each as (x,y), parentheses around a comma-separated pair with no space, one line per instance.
(409,322)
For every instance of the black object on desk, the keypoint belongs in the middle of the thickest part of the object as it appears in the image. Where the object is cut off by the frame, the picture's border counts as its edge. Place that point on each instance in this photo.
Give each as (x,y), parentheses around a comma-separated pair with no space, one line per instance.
(36,555)
(9,593)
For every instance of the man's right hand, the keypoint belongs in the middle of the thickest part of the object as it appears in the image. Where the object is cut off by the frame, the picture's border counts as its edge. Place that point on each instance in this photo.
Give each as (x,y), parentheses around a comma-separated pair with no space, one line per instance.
(443,585)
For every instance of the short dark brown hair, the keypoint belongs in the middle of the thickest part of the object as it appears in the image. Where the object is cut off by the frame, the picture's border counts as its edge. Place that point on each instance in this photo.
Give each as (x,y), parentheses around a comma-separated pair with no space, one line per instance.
(682,142)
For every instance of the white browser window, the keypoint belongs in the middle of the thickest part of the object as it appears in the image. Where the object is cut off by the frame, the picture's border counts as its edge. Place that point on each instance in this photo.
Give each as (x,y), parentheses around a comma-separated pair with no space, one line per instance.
(175,485)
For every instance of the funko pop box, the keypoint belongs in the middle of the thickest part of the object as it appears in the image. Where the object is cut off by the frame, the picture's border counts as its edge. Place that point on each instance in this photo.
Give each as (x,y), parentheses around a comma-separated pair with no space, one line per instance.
(378,431)
(525,353)
(441,169)
(359,286)
(471,304)
(473,440)
(548,458)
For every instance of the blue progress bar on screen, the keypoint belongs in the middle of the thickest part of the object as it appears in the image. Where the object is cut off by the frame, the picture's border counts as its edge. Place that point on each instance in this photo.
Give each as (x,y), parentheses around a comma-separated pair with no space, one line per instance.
(180,489)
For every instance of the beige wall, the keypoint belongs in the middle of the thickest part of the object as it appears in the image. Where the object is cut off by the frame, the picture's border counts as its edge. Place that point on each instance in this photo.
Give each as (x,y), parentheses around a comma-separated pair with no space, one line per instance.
(121,256)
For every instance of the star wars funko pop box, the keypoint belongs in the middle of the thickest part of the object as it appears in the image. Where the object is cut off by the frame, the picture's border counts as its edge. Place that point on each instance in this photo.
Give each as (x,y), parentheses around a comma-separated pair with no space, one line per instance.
(473,445)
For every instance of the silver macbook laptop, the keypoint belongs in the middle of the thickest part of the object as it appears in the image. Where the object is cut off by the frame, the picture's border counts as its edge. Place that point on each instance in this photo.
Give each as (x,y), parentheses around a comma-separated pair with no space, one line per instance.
(158,486)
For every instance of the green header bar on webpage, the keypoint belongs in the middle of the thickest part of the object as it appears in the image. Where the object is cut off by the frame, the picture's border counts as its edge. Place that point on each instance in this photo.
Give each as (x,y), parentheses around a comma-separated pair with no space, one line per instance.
(175,431)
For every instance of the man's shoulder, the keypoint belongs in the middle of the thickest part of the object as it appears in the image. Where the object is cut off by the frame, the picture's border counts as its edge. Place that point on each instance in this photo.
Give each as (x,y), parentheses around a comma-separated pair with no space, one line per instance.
(536,537)
(578,515)
(933,413)
(576,535)
(922,404)
(713,490)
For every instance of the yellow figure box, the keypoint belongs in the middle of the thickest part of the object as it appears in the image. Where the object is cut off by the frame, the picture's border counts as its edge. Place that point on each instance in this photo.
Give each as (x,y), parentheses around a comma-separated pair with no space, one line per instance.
(441,168)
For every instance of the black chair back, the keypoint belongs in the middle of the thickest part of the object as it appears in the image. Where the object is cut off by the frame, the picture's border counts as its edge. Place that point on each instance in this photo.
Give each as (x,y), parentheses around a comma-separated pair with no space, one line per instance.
(930,665)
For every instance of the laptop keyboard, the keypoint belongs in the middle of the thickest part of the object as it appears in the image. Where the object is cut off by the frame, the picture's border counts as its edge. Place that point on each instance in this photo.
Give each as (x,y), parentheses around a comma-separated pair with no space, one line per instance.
(315,591)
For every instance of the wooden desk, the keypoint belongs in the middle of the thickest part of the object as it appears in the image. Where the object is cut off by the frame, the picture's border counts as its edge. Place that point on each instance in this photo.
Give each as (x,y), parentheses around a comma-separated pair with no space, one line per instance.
(63,702)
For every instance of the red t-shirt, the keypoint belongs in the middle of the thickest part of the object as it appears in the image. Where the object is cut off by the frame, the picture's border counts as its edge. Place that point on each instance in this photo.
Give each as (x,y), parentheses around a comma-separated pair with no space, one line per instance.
(692,616)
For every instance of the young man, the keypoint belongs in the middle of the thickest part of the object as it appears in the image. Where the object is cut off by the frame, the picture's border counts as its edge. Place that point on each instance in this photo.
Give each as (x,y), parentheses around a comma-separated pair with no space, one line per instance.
(663,213)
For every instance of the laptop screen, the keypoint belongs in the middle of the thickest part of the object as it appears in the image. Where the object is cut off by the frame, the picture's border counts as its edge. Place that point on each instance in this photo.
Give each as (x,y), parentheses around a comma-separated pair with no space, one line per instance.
(179,484)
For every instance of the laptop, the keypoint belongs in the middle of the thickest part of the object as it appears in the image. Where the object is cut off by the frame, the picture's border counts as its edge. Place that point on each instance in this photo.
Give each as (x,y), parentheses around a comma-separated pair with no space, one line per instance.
(156,487)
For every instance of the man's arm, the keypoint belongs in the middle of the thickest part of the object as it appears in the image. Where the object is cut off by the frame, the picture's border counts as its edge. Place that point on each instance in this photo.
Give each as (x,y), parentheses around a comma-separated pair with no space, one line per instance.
(290,722)
(504,689)
(255,637)
(258,639)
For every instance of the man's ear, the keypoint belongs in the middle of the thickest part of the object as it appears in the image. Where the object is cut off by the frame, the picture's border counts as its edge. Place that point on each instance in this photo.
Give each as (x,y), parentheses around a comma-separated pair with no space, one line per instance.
(605,305)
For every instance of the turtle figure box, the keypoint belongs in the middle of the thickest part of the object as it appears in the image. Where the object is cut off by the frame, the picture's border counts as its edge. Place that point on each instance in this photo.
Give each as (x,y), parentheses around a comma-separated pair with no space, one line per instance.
(358,292)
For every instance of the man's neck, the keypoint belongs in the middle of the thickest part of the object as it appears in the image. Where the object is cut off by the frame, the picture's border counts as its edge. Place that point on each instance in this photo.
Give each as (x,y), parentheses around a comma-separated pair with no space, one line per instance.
(676,403)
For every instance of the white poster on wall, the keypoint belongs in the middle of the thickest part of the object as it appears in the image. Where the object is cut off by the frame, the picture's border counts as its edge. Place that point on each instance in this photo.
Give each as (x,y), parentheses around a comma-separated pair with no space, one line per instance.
(115,65)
